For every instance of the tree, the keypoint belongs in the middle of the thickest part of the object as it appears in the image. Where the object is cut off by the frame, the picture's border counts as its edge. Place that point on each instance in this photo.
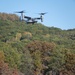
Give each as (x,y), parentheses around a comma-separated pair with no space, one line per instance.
(70,61)
(26,65)
(40,52)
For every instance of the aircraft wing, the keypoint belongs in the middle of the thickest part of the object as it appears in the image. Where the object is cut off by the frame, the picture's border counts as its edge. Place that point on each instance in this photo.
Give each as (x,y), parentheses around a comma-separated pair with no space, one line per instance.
(27,17)
(37,18)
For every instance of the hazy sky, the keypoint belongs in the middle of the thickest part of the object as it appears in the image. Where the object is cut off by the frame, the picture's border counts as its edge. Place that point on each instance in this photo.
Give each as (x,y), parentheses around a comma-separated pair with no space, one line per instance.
(61,13)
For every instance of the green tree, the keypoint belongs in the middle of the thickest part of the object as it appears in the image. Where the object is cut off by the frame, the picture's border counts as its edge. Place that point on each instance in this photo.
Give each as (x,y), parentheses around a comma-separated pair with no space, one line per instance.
(26,66)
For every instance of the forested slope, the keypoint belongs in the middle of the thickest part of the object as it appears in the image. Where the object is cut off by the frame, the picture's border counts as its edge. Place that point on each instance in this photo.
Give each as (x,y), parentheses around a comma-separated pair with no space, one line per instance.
(27,49)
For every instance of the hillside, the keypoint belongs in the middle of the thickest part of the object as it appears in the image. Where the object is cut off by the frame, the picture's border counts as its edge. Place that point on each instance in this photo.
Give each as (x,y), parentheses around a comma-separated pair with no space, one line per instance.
(27,49)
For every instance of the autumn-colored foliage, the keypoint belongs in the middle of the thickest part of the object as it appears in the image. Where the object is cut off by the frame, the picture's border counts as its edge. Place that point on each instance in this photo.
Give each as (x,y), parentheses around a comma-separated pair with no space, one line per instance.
(5,16)
(42,46)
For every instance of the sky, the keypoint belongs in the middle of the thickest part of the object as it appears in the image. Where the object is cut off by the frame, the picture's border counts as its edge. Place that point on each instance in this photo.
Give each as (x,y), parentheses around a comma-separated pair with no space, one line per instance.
(60,13)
